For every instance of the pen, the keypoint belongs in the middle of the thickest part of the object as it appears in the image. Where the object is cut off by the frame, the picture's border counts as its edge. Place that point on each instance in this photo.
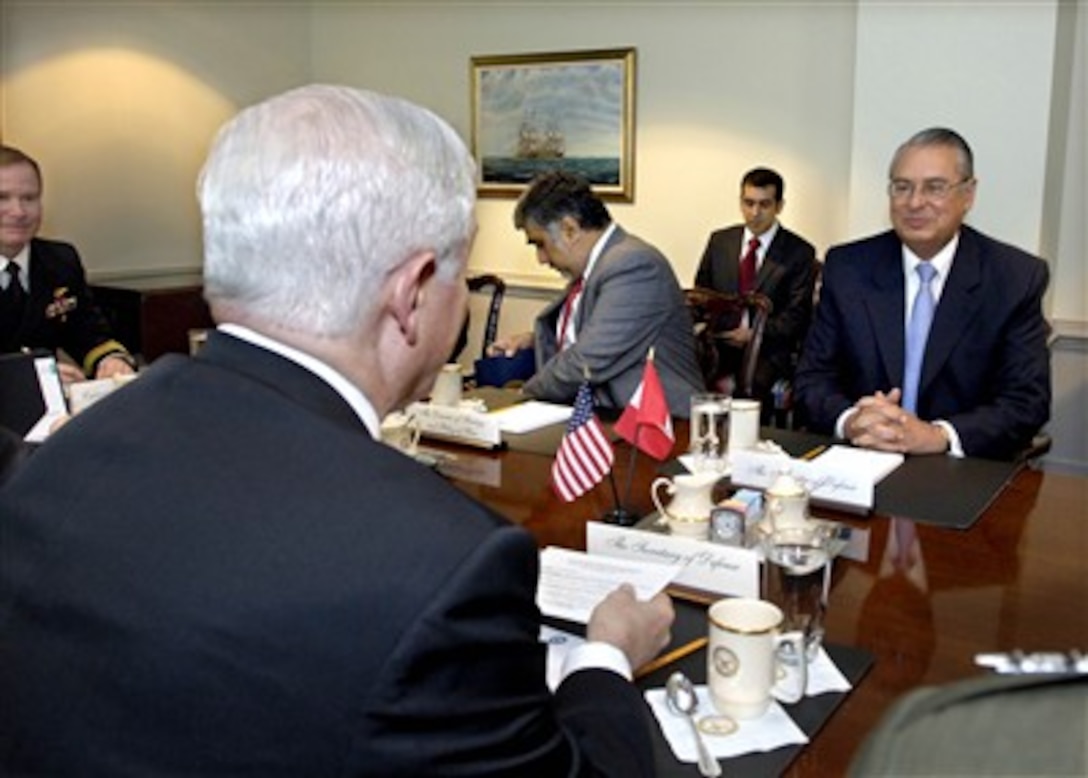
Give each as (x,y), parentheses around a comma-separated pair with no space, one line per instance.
(813,453)
(672,656)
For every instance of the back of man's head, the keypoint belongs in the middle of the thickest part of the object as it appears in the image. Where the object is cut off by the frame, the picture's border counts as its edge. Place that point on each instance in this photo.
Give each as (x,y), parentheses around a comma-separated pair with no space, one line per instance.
(559,193)
(312,197)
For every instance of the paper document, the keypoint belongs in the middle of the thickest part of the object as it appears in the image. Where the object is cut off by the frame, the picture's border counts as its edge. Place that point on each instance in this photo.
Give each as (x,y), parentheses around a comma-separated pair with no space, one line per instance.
(532,415)
(875,464)
(53,394)
(573,582)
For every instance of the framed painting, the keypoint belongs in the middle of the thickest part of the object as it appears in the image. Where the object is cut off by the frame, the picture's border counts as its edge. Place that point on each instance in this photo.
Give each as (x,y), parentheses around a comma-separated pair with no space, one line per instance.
(570,110)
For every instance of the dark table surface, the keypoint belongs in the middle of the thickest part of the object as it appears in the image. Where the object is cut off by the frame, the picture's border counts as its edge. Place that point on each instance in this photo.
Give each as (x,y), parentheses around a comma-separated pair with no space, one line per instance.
(923,602)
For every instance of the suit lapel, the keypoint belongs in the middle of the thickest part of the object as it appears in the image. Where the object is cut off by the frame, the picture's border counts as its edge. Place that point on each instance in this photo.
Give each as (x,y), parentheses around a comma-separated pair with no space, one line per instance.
(771,270)
(41,284)
(280,374)
(730,261)
(885,308)
(957,307)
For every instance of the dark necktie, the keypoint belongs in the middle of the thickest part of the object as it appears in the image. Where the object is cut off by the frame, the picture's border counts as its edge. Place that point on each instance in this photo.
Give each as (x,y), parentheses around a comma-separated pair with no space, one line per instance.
(921,317)
(747,281)
(568,311)
(12,306)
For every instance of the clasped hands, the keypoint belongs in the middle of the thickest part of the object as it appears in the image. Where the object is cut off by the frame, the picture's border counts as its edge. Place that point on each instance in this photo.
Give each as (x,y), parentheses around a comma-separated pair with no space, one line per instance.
(879,422)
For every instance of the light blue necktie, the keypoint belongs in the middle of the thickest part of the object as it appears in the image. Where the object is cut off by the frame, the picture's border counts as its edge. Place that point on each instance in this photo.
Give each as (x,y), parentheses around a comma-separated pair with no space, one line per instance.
(921,317)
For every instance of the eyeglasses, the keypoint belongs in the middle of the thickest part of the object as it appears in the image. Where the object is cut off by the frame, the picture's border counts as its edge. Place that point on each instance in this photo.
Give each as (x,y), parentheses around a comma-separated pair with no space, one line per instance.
(934,190)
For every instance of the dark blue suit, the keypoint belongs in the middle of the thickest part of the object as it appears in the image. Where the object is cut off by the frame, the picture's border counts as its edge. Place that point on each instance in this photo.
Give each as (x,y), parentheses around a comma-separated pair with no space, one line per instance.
(238,580)
(986,368)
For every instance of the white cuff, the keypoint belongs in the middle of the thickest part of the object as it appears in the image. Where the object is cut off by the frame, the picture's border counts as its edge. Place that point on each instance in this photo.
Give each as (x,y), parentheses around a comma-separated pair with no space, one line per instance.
(840,423)
(955,448)
(596,655)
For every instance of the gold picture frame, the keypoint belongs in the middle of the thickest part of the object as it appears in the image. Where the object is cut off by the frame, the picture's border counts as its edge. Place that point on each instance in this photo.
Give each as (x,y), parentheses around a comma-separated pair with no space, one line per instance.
(571,110)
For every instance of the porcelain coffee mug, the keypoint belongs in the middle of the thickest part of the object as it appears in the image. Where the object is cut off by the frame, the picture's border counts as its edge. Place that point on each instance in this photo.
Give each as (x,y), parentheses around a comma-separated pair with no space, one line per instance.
(447,386)
(743,424)
(743,657)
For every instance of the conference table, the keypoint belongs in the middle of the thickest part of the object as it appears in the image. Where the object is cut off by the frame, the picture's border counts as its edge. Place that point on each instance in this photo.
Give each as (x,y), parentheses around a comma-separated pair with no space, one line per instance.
(921,603)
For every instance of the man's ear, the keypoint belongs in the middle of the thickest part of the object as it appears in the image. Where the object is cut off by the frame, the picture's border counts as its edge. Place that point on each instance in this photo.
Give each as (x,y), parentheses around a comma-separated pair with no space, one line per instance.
(408,289)
(569,228)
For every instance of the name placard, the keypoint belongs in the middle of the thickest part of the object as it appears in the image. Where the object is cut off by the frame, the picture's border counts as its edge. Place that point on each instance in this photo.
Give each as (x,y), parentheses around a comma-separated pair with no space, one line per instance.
(710,567)
(849,489)
(460,425)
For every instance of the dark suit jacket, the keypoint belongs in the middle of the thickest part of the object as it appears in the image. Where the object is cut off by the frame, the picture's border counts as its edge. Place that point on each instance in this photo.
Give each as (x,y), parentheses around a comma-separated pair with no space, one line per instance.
(630,302)
(238,580)
(13,452)
(787,277)
(60,313)
(986,369)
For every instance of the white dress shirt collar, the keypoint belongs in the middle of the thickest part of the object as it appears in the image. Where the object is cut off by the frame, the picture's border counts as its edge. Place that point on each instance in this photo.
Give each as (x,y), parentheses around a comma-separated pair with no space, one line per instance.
(941,262)
(764,242)
(596,251)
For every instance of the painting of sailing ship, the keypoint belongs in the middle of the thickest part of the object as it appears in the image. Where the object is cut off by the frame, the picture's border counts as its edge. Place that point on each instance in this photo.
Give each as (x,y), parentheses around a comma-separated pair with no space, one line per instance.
(538,112)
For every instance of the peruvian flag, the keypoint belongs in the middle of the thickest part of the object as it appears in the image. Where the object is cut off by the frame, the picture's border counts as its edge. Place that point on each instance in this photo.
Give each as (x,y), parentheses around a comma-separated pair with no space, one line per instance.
(645,422)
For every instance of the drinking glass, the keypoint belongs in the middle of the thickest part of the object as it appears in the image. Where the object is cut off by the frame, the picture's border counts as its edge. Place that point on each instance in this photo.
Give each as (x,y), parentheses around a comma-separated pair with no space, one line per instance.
(709,431)
(796,578)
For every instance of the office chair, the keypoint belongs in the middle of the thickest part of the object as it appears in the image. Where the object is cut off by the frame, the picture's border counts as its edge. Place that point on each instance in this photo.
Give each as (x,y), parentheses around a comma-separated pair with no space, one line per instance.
(715,313)
(496,371)
(497,287)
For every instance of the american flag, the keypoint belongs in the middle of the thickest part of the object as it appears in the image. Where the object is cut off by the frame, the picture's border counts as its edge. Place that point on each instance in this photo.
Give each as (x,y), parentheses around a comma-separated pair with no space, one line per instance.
(585,454)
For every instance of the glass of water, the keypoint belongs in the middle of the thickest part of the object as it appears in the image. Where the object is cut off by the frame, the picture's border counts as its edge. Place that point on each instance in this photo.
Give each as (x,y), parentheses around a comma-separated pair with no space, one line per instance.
(709,431)
(796,578)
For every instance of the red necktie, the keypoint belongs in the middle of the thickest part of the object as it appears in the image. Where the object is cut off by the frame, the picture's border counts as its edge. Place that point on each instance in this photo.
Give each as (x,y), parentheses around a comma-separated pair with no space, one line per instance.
(748,267)
(568,309)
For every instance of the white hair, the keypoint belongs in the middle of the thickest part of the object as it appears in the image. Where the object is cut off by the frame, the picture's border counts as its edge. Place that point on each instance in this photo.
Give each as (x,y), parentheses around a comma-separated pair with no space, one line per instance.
(312,197)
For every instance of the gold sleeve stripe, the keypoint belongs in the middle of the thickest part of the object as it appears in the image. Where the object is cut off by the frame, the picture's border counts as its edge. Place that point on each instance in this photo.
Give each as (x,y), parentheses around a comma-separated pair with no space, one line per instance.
(100,351)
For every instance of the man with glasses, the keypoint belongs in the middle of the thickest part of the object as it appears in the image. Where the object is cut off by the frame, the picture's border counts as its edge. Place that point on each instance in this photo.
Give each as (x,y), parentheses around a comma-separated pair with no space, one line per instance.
(929,338)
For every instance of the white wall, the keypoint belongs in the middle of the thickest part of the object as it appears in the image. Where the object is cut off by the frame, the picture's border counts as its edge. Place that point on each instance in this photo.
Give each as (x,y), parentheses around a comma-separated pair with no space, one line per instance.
(118,101)
(721,87)
(120,98)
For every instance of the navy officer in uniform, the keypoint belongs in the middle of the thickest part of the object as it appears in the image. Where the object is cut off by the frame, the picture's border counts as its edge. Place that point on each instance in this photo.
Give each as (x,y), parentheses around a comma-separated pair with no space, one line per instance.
(44,299)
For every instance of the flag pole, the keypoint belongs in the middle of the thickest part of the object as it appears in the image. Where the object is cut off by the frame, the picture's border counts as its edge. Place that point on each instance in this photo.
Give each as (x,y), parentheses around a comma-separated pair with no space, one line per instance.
(620,515)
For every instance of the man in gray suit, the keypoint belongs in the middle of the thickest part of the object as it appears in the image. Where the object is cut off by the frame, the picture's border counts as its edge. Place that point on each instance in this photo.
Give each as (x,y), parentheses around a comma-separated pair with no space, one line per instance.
(622,299)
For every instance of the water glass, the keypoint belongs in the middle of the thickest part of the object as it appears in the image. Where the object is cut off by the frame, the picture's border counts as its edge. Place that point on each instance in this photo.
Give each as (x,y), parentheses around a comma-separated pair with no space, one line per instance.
(709,431)
(796,578)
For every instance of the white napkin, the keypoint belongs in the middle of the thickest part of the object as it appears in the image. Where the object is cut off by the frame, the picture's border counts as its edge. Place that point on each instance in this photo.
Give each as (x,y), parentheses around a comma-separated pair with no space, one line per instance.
(772,730)
(823,677)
